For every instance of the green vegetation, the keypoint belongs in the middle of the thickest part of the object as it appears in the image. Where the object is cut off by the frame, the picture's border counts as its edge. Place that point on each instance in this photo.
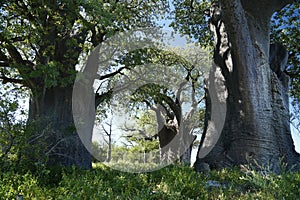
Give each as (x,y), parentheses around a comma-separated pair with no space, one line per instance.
(44,44)
(173,182)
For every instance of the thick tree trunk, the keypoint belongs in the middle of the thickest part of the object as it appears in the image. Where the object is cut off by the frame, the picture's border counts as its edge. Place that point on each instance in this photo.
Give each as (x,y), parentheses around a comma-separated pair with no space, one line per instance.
(256,128)
(55,140)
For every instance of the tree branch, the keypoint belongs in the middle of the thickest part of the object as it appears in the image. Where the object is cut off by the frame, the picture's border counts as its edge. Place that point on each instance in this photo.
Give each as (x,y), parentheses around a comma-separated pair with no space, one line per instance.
(110,129)
(17,58)
(119,71)
(99,98)
(12,80)
(26,12)
(3,58)
(176,108)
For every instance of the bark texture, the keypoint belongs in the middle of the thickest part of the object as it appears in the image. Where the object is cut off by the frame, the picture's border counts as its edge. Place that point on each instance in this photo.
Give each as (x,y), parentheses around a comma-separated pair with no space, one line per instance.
(55,140)
(256,128)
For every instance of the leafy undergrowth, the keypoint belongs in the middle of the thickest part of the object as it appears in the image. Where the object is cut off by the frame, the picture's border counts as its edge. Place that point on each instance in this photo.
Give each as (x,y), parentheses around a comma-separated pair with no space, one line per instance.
(172,182)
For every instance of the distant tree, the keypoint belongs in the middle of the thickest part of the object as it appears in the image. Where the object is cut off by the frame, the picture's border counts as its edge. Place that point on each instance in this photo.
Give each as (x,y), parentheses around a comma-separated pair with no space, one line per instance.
(140,139)
(108,141)
(176,104)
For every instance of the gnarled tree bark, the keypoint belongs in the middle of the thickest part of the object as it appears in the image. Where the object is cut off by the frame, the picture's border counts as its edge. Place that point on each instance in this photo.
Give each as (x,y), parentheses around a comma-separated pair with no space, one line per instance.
(256,128)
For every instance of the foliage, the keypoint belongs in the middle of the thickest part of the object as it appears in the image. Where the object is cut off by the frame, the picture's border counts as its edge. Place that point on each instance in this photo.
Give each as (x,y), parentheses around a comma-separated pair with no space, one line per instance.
(173,182)
(42,42)
(12,124)
(99,153)
(286,30)
(190,18)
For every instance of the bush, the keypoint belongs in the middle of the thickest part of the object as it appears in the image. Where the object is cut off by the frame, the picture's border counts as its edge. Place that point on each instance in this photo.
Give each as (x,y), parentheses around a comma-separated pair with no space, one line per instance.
(172,182)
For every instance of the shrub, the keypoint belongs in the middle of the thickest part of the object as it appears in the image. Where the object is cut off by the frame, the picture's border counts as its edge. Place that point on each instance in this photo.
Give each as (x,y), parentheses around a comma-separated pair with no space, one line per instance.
(172,182)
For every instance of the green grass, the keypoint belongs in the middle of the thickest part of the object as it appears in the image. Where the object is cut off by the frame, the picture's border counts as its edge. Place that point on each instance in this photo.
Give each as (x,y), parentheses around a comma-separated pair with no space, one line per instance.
(172,182)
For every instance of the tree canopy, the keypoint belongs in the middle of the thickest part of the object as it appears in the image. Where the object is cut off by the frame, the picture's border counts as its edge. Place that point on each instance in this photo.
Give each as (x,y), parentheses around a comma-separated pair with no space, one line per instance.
(43,40)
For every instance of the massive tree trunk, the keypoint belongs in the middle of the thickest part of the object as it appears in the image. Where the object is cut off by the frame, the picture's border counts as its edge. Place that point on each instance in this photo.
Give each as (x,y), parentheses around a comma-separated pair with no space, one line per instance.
(256,128)
(55,140)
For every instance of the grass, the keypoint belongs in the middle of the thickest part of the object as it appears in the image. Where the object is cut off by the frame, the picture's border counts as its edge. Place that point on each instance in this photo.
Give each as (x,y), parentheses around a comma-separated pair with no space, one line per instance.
(172,182)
